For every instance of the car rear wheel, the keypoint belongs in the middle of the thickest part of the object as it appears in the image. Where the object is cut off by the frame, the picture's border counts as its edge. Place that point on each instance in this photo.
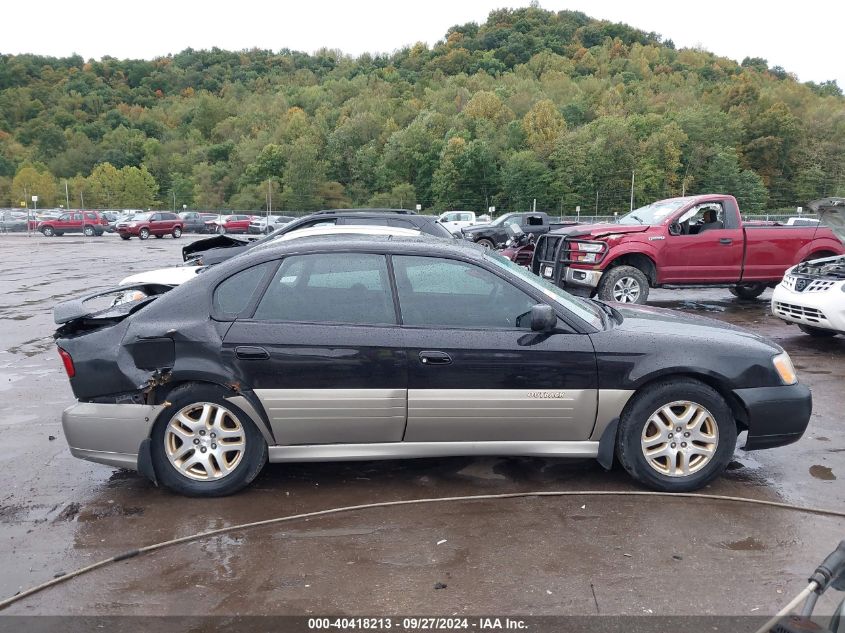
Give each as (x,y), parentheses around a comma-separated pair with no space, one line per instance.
(177,233)
(676,436)
(624,284)
(747,291)
(88,231)
(144,233)
(204,446)
(221,230)
(816,331)
(48,231)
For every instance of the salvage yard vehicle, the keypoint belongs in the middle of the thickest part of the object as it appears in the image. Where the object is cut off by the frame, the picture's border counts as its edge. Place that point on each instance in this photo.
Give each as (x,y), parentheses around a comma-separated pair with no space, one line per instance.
(214,250)
(691,241)
(812,294)
(267,224)
(457,220)
(89,223)
(223,224)
(495,234)
(381,347)
(142,225)
(195,222)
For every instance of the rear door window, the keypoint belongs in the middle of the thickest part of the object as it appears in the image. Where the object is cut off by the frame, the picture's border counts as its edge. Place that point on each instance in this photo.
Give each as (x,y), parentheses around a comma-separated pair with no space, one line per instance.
(330,288)
(235,294)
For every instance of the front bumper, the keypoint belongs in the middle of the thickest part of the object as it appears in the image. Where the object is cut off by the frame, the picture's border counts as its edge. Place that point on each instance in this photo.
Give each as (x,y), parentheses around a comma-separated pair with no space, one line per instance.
(776,415)
(825,309)
(108,433)
(580,277)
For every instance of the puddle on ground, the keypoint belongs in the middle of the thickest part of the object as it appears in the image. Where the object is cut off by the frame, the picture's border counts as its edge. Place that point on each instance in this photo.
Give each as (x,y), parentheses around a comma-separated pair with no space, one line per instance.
(749,544)
(822,472)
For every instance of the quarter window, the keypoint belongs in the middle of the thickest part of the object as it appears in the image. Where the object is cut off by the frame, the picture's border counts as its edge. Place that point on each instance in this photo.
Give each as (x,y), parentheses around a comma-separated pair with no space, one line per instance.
(330,288)
(450,293)
(234,295)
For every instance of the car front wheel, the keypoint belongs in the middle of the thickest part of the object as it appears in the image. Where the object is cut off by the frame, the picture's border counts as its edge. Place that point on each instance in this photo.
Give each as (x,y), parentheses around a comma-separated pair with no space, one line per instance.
(624,284)
(676,436)
(747,291)
(144,233)
(485,243)
(125,237)
(204,446)
(48,231)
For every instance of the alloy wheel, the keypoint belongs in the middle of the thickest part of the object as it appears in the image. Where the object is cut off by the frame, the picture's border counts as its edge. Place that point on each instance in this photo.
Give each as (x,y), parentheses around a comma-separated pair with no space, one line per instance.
(204,441)
(680,438)
(626,290)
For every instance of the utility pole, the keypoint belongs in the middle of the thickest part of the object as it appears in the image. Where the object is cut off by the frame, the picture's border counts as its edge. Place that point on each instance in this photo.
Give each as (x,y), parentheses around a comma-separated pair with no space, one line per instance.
(597,201)
(173,191)
(67,196)
(632,190)
(269,198)
(534,206)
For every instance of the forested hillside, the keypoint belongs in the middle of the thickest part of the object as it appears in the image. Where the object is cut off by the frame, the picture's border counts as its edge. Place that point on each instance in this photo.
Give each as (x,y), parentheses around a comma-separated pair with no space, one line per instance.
(530,104)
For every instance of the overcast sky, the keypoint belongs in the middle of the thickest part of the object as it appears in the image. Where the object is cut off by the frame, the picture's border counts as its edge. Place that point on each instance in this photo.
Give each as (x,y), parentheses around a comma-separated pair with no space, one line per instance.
(799,36)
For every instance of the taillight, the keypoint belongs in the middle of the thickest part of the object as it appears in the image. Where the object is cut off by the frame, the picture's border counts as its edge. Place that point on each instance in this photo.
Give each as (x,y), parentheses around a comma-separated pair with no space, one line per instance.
(68,363)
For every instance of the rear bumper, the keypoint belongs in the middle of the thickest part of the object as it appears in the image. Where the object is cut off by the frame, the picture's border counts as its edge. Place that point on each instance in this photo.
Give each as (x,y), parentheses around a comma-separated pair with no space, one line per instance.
(776,415)
(108,433)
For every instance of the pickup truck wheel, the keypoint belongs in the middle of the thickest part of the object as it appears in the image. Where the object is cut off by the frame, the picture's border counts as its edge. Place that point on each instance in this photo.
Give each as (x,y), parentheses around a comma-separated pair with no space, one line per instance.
(204,446)
(676,435)
(88,231)
(816,331)
(747,291)
(144,233)
(485,243)
(48,231)
(177,232)
(624,284)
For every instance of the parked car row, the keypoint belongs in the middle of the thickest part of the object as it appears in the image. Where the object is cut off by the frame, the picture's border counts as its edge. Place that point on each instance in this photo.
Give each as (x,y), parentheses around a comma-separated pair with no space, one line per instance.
(426,345)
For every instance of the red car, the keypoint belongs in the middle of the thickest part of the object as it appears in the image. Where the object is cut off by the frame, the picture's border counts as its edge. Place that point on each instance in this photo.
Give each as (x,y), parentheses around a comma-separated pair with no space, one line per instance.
(229,224)
(158,223)
(692,241)
(89,223)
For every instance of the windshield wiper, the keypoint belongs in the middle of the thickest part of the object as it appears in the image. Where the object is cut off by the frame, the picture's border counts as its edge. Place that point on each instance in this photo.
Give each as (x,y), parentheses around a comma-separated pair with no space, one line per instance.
(612,313)
(636,217)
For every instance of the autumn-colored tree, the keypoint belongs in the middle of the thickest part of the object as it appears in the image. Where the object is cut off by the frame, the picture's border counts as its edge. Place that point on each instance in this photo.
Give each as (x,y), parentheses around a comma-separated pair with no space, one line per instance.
(34,180)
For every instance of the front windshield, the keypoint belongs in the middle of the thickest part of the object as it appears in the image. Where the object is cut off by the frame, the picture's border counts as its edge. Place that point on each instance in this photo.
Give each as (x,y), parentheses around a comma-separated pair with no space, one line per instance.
(140,217)
(501,220)
(583,310)
(654,213)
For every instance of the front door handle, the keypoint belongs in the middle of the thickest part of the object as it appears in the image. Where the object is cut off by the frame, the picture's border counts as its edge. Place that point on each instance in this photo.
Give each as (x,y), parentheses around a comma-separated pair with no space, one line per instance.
(725,240)
(435,358)
(251,353)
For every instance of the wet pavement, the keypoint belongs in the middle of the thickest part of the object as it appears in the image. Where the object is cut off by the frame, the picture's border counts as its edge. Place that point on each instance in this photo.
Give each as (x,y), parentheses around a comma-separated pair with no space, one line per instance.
(558,555)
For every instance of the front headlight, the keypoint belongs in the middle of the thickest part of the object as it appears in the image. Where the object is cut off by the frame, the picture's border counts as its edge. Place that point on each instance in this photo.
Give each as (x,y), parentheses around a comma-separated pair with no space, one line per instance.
(133,225)
(785,369)
(590,248)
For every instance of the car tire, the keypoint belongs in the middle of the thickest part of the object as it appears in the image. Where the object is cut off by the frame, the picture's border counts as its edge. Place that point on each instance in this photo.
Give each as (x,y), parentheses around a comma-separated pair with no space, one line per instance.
(48,231)
(159,236)
(816,331)
(125,237)
(205,478)
(88,231)
(98,233)
(486,243)
(221,230)
(143,234)
(624,284)
(59,233)
(747,291)
(644,428)
(176,233)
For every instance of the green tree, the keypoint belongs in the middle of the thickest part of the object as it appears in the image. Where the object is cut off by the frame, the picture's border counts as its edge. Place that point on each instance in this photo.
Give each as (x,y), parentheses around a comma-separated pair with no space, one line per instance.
(34,180)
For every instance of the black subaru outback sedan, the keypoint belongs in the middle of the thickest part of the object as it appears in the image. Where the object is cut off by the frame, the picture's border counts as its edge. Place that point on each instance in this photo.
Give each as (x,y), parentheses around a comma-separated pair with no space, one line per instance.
(367,347)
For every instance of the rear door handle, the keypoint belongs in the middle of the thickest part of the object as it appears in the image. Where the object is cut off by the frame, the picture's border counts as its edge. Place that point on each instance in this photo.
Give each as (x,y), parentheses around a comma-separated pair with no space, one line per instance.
(435,358)
(725,240)
(251,353)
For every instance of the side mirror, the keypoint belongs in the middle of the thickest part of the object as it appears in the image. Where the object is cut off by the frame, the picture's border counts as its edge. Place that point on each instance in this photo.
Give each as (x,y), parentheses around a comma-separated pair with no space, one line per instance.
(674,228)
(543,318)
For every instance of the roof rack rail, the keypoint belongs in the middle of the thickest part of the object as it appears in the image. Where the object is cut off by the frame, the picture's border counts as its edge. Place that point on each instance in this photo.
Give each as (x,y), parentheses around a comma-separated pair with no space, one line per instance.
(396,211)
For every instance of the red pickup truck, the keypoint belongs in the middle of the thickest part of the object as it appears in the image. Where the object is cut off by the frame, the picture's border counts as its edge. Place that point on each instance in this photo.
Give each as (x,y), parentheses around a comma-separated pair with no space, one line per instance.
(691,241)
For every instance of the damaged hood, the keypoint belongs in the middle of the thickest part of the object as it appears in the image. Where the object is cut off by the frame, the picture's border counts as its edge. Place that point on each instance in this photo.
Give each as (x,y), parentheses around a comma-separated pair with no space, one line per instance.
(599,230)
(831,212)
(218,241)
